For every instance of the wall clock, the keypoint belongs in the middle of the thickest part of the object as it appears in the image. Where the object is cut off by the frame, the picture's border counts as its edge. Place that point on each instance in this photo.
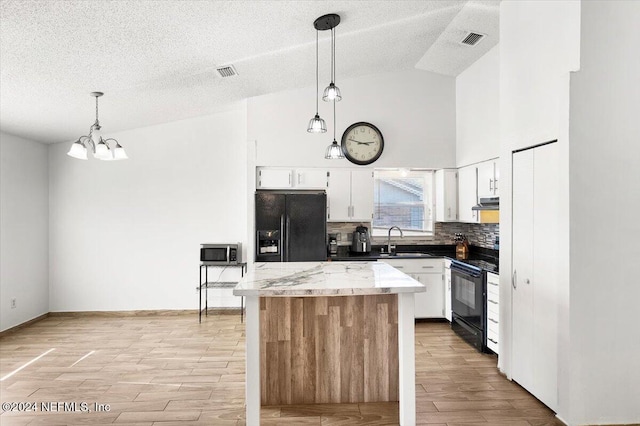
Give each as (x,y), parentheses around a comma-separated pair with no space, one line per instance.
(362,143)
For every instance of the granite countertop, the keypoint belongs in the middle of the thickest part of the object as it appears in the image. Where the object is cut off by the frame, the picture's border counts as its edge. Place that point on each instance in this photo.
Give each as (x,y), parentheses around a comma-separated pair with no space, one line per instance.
(484,258)
(324,279)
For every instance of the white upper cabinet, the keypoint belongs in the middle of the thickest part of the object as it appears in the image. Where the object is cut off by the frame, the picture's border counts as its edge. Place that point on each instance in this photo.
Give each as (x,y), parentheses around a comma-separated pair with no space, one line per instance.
(310,179)
(467,194)
(488,178)
(350,196)
(270,178)
(289,178)
(446,183)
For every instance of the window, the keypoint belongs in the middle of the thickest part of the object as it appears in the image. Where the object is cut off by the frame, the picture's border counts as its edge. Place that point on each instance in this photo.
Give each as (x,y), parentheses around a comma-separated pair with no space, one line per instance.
(403,198)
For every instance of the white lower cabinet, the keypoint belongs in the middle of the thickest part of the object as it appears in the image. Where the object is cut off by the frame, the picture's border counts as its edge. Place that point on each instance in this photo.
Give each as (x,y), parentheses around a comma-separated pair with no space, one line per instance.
(430,272)
(493,312)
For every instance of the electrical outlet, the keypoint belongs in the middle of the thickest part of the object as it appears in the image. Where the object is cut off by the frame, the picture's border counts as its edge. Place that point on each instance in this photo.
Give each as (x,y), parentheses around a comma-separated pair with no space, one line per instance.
(13,303)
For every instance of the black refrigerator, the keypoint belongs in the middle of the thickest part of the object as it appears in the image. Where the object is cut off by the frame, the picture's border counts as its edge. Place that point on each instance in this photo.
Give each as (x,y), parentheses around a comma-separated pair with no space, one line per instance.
(291,226)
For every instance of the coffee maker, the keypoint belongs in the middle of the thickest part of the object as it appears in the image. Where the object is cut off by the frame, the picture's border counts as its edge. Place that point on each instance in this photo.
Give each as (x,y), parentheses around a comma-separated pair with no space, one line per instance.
(361,242)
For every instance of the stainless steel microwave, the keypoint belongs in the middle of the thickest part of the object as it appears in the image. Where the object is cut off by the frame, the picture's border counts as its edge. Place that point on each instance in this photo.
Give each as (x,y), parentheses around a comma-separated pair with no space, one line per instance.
(221,254)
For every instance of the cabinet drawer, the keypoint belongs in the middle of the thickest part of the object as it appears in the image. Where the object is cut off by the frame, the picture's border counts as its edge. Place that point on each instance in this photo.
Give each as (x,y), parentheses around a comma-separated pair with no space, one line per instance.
(493,278)
(493,325)
(492,305)
(492,341)
(492,289)
(417,266)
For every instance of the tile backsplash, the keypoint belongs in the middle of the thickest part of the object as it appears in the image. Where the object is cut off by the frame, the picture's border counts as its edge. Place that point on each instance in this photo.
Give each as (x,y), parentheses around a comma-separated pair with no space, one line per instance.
(478,234)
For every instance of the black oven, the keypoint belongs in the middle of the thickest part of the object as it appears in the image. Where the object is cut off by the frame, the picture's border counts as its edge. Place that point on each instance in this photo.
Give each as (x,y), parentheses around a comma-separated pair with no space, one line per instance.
(468,295)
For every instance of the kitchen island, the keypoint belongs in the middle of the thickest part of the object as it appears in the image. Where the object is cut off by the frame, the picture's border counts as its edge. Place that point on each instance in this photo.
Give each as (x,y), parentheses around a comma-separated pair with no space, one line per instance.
(329,332)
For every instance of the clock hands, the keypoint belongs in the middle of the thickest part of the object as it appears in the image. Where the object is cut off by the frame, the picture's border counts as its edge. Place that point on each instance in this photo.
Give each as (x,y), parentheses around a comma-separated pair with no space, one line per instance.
(360,143)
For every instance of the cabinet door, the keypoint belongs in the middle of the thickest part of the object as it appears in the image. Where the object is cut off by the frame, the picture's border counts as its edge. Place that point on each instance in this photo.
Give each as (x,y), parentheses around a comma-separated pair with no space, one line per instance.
(339,196)
(486,179)
(274,178)
(430,304)
(446,183)
(310,179)
(467,194)
(546,272)
(522,254)
(362,196)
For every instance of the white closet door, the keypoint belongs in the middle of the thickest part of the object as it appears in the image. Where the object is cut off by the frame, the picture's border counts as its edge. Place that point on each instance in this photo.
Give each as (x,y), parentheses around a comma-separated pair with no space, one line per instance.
(546,277)
(522,274)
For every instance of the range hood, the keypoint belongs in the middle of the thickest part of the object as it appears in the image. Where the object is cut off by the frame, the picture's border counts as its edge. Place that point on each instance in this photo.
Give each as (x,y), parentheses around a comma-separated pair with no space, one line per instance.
(488,210)
(489,203)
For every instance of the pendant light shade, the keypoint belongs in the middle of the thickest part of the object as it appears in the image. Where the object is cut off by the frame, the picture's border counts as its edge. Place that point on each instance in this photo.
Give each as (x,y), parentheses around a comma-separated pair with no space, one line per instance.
(334,151)
(118,152)
(78,151)
(332,92)
(317,125)
(99,147)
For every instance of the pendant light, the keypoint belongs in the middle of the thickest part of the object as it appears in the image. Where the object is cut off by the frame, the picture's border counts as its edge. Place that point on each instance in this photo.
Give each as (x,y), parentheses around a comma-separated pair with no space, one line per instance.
(334,151)
(98,145)
(317,124)
(324,23)
(332,92)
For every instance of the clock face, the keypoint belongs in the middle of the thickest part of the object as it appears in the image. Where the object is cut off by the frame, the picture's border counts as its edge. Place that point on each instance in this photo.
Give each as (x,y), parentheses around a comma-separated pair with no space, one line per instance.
(362,143)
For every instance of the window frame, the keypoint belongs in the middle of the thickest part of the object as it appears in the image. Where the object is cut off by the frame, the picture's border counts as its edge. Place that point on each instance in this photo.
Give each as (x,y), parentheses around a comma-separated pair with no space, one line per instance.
(429,220)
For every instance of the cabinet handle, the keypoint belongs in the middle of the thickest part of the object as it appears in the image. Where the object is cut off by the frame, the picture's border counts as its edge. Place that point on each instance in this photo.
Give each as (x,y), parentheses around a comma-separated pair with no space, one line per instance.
(449,214)
(514,279)
(495,185)
(490,185)
(428,267)
(399,267)
(493,340)
(492,301)
(492,320)
(495,284)
(289,178)
(353,211)
(527,281)
(299,178)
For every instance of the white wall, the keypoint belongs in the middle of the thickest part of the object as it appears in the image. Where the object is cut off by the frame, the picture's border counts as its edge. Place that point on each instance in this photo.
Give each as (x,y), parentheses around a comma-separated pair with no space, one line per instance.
(125,235)
(414,110)
(605,199)
(478,111)
(24,230)
(539,47)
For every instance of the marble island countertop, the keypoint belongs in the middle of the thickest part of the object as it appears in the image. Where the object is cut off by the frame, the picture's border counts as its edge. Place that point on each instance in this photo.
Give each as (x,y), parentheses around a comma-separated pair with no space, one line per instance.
(324,279)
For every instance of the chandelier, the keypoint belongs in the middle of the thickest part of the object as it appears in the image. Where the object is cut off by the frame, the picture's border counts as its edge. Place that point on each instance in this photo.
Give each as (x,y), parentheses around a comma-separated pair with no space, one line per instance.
(99,146)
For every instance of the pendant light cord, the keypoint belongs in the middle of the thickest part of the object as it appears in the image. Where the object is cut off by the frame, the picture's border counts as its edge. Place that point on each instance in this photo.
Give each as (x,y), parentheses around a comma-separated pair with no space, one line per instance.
(97,110)
(317,73)
(333,55)
(334,120)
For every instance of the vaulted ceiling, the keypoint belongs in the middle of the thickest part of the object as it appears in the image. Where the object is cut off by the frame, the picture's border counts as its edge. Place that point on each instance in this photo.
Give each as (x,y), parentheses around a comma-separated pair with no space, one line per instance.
(156,60)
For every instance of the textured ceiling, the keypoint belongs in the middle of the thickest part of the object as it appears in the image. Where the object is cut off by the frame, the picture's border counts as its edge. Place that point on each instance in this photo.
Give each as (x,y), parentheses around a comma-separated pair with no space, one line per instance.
(156,60)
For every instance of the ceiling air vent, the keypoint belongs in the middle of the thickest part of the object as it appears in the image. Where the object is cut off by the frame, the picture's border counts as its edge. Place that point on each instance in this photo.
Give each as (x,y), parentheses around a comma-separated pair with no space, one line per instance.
(472,39)
(227,71)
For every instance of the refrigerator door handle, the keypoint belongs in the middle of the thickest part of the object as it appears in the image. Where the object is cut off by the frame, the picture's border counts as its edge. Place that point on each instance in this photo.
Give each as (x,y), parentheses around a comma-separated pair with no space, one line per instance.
(280,241)
(286,236)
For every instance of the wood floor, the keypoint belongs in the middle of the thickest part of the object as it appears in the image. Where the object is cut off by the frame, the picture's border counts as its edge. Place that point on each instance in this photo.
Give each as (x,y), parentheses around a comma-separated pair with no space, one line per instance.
(170,370)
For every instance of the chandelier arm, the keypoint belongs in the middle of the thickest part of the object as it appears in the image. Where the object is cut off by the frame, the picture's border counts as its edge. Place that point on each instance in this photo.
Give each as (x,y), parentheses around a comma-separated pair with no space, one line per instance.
(89,141)
(110,139)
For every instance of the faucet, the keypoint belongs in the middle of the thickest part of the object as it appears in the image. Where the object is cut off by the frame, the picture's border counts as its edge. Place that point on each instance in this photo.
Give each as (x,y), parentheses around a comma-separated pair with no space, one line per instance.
(389,238)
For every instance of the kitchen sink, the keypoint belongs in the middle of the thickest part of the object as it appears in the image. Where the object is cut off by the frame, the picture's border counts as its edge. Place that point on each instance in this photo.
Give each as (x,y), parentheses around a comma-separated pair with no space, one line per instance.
(405,255)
